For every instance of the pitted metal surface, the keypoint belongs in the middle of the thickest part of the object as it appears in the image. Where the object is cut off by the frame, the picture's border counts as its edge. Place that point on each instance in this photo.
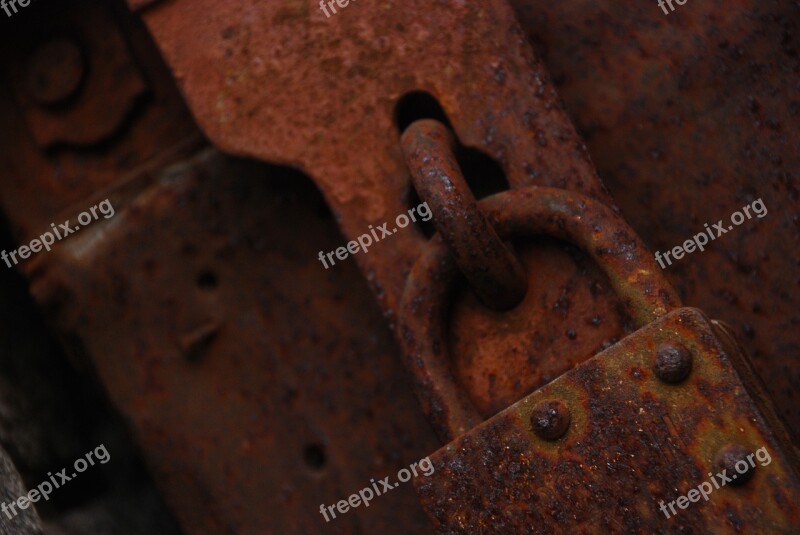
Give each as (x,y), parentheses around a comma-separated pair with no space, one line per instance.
(473,61)
(494,273)
(632,442)
(258,384)
(687,117)
(248,417)
(519,213)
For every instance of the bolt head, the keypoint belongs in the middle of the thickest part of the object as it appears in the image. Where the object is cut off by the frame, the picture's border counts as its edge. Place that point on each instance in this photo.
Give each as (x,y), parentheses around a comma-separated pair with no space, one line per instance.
(731,455)
(550,419)
(673,362)
(55,71)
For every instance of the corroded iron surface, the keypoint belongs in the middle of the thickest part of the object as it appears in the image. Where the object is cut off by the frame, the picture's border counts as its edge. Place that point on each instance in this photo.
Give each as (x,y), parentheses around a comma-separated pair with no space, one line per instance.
(239,362)
(632,440)
(126,113)
(688,116)
(491,268)
(523,212)
(165,303)
(280,82)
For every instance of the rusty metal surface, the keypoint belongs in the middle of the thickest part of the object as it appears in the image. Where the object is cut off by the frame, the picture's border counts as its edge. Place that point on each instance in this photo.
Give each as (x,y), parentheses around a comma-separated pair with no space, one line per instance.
(277,81)
(51,414)
(254,68)
(494,273)
(343,413)
(108,133)
(245,68)
(99,65)
(137,5)
(244,371)
(687,117)
(632,440)
(375,188)
(600,232)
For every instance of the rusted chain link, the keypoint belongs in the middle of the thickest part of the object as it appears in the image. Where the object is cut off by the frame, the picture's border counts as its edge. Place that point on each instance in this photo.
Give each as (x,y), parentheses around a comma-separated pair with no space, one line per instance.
(491,268)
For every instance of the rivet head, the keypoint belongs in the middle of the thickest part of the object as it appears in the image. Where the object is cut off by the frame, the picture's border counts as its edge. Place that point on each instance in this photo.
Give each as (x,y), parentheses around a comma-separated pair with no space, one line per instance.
(673,362)
(550,419)
(55,71)
(733,459)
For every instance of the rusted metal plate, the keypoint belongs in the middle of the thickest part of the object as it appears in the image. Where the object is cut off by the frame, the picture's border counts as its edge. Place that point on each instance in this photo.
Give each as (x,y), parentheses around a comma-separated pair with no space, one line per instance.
(689,116)
(520,213)
(280,82)
(240,363)
(50,415)
(252,403)
(633,440)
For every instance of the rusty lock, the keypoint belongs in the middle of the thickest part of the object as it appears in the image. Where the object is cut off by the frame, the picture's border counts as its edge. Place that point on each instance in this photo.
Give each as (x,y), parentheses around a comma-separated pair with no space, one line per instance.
(603,234)
(613,443)
(513,115)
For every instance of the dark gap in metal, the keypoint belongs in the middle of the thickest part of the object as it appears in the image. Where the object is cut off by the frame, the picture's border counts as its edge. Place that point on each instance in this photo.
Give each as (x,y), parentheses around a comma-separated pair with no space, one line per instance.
(483,174)
(207,280)
(314,456)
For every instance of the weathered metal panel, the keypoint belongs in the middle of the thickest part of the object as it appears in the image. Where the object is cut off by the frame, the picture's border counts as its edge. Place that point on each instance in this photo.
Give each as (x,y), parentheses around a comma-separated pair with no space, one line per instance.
(689,116)
(632,441)
(245,372)
(278,81)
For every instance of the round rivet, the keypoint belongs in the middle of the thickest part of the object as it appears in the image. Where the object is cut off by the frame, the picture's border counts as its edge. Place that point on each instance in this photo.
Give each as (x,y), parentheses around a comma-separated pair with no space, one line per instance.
(673,362)
(733,459)
(550,419)
(55,71)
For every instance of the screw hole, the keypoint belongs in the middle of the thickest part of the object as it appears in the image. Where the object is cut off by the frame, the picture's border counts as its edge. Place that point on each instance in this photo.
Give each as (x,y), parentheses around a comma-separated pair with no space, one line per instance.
(314,456)
(207,280)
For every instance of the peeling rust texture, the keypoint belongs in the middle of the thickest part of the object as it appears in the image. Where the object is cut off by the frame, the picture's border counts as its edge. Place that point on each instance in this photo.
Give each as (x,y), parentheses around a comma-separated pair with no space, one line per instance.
(633,441)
